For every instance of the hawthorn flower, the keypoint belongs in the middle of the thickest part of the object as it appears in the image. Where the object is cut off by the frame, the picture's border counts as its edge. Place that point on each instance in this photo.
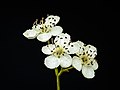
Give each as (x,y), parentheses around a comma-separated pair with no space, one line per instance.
(44,30)
(85,60)
(59,51)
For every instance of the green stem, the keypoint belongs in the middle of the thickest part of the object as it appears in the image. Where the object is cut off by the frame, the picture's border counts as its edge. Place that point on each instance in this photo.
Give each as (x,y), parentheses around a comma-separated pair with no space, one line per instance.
(58,83)
(58,79)
(64,70)
(58,75)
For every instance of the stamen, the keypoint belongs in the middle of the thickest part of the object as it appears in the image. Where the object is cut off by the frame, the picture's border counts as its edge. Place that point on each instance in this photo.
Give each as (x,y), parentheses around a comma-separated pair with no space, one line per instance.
(34,23)
(41,21)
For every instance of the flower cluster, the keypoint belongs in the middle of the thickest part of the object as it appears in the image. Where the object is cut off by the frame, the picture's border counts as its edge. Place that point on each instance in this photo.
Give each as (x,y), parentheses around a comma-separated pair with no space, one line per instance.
(61,47)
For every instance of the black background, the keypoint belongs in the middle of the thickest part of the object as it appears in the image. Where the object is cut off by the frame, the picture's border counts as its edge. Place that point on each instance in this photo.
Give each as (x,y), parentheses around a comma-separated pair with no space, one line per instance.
(93,22)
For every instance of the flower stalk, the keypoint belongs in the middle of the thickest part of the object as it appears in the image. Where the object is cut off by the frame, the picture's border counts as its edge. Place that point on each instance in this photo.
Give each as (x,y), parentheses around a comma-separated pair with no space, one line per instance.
(57,79)
(58,75)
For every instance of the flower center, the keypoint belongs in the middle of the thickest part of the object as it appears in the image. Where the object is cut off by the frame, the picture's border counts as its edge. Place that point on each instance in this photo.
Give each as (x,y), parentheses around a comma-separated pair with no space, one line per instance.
(85,60)
(44,28)
(59,51)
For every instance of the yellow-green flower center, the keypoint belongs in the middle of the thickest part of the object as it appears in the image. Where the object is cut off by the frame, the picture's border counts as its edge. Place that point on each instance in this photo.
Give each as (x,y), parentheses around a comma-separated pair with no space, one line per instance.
(59,51)
(85,60)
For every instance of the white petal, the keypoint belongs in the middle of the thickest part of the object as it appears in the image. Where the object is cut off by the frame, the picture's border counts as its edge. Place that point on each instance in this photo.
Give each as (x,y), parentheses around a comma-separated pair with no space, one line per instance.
(81,47)
(88,72)
(80,43)
(73,48)
(44,37)
(91,51)
(51,62)
(53,19)
(76,63)
(66,61)
(62,39)
(30,34)
(56,30)
(48,49)
(95,65)
(51,46)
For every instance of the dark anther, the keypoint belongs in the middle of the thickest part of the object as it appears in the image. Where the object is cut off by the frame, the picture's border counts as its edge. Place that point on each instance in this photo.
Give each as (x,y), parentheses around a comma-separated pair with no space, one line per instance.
(66,48)
(82,58)
(45,26)
(56,41)
(95,54)
(61,38)
(53,24)
(71,45)
(88,64)
(50,26)
(90,55)
(94,51)
(65,37)
(63,46)
(51,50)
(90,50)
(41,27)
(84,53)
(57,45)
(54,20)
(64,42)
(91,62)
(68,51)
(83,48)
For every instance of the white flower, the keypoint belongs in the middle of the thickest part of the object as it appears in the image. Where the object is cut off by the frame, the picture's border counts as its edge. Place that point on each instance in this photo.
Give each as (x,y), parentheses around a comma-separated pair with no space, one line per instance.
(85,60)
(59,52)
(44,31)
